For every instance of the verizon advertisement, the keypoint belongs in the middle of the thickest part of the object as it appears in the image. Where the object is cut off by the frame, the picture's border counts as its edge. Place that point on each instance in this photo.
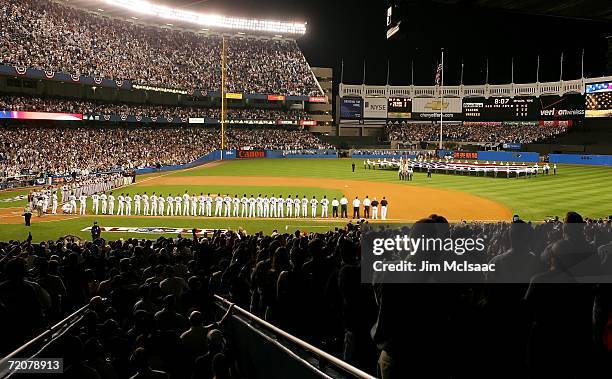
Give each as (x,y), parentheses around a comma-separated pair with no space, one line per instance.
(430,108)
(375,107)
(568,106)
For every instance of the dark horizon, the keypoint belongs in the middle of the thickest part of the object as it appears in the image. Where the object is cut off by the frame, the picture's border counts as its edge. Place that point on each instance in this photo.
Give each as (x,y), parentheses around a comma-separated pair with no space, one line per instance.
(355,32)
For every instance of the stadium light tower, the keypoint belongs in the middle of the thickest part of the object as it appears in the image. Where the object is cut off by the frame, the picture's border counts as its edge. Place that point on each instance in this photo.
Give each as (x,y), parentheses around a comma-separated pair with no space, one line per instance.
(210,20)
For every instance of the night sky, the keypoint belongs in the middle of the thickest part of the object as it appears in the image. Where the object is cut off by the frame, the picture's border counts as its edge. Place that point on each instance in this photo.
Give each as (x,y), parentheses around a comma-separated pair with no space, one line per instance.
(354,31)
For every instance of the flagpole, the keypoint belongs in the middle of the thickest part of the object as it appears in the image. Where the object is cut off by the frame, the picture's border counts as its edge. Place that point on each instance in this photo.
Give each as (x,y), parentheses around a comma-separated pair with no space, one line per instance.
(342,72)
(441,97)
(461,71)
(487,74)
(364,72)
(561,74)
(538,70)
(582,65)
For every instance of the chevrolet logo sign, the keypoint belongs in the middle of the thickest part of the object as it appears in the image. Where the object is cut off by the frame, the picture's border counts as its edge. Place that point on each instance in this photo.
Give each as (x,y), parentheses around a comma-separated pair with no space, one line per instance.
(436,105)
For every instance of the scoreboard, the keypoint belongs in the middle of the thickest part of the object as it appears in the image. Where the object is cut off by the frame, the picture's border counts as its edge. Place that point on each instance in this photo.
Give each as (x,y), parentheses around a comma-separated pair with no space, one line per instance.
(500,109)
(399,108)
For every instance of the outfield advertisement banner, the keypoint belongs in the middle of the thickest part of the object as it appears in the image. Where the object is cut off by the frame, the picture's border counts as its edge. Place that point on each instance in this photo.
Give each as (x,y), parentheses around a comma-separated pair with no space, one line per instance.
(250,154)
(429,108)
(21,115)
(351,108)
(153,230)
(375,107)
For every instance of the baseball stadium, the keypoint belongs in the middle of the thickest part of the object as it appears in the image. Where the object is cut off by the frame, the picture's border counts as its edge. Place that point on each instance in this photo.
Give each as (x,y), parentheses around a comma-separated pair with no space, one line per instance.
(229,190)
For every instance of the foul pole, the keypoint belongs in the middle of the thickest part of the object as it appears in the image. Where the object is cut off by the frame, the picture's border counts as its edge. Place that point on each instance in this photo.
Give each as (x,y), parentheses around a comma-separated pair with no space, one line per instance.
(223,110)
(441,96)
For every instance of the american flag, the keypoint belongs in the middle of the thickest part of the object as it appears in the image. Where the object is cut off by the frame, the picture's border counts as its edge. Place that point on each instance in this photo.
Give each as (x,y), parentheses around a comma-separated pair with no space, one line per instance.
(439,74)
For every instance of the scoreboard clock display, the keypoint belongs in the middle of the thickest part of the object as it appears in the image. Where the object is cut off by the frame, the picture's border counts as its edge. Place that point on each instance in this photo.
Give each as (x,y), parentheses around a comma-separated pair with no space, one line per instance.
(399,108)
(500,109)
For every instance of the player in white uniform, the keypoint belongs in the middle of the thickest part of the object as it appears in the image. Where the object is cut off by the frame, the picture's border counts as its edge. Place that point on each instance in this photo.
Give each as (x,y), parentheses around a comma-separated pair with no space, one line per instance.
(313,206)
(120,205)
(236,202)
(96,203)
(111,203)
(54,203)
(296,205)
(186,199)
(104,201)
(304,207)
(202,202)
(161,204)
(137,198)
(145,204)
(178,201)
(289,203)
(218,205)
(209,201)
(252,204)
(273,201)
(266,206)
(228,205)
(259,205)
(170,207)
(72,200)
(244,201)
(128,204)
(153,199)
(194,205)
(280,206)
(324,205)
(83,204)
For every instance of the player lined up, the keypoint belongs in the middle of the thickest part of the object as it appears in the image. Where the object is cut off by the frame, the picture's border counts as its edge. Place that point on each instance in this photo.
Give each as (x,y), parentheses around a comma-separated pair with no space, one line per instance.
(261,206)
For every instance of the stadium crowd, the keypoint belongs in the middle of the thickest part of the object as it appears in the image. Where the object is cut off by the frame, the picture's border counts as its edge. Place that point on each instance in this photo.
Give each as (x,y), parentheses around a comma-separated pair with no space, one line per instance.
(154,309)
(63,151)
(38,104)
(51,36)
(473,132)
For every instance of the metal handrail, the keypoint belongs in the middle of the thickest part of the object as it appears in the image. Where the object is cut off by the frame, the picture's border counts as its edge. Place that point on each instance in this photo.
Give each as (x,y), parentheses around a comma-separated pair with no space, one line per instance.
(302,344)
(43,336)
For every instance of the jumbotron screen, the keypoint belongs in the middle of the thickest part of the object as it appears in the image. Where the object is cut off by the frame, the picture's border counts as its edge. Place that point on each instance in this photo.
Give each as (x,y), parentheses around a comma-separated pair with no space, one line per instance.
(500,109)
(599,100)
(399,108)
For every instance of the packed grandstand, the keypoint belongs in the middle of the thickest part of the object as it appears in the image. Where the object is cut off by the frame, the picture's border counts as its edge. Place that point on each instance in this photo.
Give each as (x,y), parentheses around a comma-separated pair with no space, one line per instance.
(51,36)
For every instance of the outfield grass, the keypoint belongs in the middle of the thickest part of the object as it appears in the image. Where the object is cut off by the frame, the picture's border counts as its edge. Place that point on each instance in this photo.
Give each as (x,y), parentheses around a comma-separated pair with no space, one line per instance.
(585,189)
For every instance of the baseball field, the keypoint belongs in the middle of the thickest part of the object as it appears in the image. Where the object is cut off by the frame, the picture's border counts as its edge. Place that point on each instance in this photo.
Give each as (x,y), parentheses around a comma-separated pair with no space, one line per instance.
(585,189)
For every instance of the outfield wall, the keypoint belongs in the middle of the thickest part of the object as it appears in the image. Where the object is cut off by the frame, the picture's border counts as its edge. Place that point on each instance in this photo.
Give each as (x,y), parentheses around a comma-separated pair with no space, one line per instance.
(518,156)
(231,154)
(596,160)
